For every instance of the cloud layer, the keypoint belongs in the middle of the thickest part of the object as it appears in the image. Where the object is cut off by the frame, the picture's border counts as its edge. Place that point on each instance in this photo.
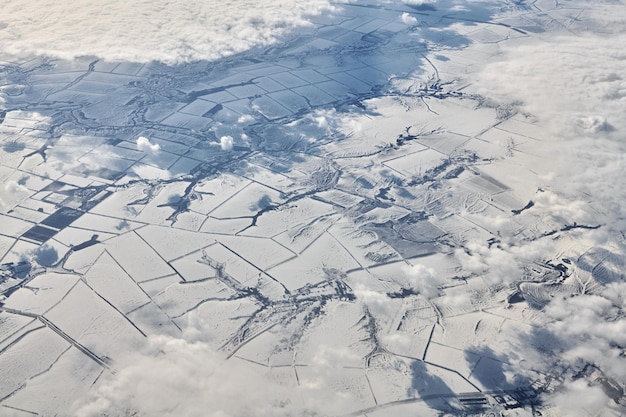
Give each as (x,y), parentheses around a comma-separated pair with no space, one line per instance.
(141,31)
(573,87)
(180,377)
(194,377)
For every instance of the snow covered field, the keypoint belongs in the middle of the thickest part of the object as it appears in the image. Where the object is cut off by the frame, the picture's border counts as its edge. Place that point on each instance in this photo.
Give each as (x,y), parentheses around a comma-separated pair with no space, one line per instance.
(369,208)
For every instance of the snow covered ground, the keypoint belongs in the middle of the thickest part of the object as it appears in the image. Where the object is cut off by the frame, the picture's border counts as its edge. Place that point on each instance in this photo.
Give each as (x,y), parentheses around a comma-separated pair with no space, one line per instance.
(368,208)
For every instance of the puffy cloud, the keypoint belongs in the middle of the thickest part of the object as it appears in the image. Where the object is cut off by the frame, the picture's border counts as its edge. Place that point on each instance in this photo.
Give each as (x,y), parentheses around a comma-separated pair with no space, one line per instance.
(144,145)
(408,19)
(327,360)
(226,143)
(12,194)
(577,100)
(594,124)
(572,90)
(322,122)
(616,293)
(549,203)
(13,187)
(591,331)
(495,264)
(423,279)
(578,398)
(178,377)
(585,94)
(378,303)
(459,300)
(142,31)
(245,119)
(573,87)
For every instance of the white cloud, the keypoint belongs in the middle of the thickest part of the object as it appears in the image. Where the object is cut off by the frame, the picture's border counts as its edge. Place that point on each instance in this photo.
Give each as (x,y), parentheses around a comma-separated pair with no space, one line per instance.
(12,187)
(417,2)
(616,293)
(24,119)
(325,363)
(501,263)
(245,119)
(144,145)
(142,31)
(559,83)
(590,332)
(322,122)
(594,124)
(423,279)
(574,85)
(150,172)
(12,194)
(564,211)
(574,90)
(395,341)
(226,143)
(458,300)
(579,399)
(378,303)
(177,377)
(408,19)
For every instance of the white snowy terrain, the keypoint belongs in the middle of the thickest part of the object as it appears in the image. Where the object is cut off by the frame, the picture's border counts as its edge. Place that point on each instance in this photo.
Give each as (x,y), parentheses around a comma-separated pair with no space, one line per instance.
(313,208)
